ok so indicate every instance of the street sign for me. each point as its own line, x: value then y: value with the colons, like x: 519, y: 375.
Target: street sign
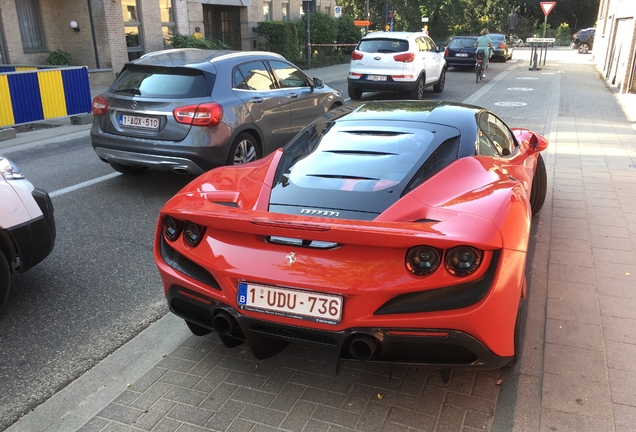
x: 547, y: 7
x: 361, y: 23
x: 337, y: 11
x: 540, y: 40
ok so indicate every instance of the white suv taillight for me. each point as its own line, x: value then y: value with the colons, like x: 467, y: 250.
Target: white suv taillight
x: 99, y: 106
x: 206, y: 114
x: 356, y: 55
x: 406, y: 58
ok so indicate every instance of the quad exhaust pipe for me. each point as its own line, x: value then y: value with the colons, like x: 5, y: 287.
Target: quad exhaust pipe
x: 363, y: 346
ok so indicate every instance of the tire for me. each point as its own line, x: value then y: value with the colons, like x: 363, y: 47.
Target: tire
x: 584, y: 48
x: 477, y: 74
x: 355, y: 93
x: 539, y: 186
x: 244, y: 149
x: 128, y: 170
x: 5, y: 279
x: 418, y: 92
x: 197, y: 330
x: 439, y: 86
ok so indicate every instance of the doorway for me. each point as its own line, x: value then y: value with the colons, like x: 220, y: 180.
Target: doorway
x: 223, y: 23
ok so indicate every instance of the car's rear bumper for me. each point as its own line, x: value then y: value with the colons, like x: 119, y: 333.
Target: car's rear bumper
x: 34, y: 240
x: 439, y: 348
x: 382, y: 86
x: 460, y: 61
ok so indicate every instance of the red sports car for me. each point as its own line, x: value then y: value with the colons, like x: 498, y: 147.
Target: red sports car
x: 391, y: 231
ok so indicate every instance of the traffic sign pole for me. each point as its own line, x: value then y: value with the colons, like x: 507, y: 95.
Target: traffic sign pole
x: 547, y: 8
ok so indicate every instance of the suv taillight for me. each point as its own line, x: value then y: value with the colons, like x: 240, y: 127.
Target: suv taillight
x: 406, y: 58
x: 99, y: 106
x: 356, y: 56
x: 206, y: 114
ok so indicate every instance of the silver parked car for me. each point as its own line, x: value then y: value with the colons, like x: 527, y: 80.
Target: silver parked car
x: 189, y: 110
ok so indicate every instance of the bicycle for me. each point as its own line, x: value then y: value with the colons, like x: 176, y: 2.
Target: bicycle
x: 479, y: 66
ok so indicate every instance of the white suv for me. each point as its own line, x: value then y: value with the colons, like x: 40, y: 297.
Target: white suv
x: 396, y: 61
x: 27, y: 226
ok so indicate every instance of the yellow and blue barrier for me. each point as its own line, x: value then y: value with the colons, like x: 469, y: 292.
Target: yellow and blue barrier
x: 29, y: 94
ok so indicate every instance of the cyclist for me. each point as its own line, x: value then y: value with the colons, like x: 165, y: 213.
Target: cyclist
x: 484, y: 43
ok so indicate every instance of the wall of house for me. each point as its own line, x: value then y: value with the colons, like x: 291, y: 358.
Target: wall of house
x: 615, y: 43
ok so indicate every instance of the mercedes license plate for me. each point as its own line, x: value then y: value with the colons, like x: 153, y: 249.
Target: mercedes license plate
x: 376, y: 77
x: 304, y: 305
x: 140, y: 122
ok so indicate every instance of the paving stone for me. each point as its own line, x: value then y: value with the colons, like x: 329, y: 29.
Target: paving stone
x: 411, y: 419
x: 219, y: 396
x: 253, y: 396
x: 180, y: 379
x: 574, y: 302
x: 477, y: 420
x: 94, y: 425
x: 335, y: 416
x: 287, y: 397
x: 185, y: 396
x: 322, y: 397
x: 373, y: 417
x: 150, y: 396
x: 619, y: 329
x: 623, y: 384
x: 485, y: 386
x: 555, y: 420
x: 299, y: 416
x: 148, y: 379
x: 574, y: 334
x: 359, y: 397
x: 167, y: 425
x: 316, y: 426
x: 153, y: 415
x: 212, y: 379
x: 619, y: 307
x: 224, y: 417
x: 431, y: 401
x: 579, y: 259
x: 262, y: 415
x: 206, y: 364
x: 413, y: 383
x: 621, y: 355
x: 625, y: 418
x: 451, y: 419
x: 468, y: 403
x: 277, y: 380
x: 120, y: 413
x: 189, y: 414
x: 311, y: 380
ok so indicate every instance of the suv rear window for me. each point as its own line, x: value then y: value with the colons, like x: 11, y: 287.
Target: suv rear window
x: 383, y: 45
x: 160, y: 82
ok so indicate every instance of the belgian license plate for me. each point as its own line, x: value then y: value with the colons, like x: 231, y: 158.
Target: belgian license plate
x: 304, y: 305
x: 140, y: 122
x: 376, y: 77
x: 461, y: 55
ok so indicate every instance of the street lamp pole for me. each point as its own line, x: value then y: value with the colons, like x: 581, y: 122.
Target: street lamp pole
x: 366, y: 31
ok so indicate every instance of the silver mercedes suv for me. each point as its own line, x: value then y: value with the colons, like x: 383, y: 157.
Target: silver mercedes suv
x: 189, y: 110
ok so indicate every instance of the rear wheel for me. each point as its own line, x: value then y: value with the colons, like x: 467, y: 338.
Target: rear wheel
x: 584, y: 48
x: 244, y: 149
x: 5, y: 279
x: 478, y: 73
x: 128, y: 170
x: 439, y: 87
x: 418, y: 92
x: 539, y: 186
x: 354, y: 93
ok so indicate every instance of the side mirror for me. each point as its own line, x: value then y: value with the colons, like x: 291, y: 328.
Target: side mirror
x: 318, y: 83
x: 441, y: 49
x: 537, y: 142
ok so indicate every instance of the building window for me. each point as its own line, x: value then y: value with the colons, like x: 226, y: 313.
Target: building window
x: 30, y: 23
x: 267, y: 11
x: 167, y: 20
x: 132, y: 28
x: 285, y: 11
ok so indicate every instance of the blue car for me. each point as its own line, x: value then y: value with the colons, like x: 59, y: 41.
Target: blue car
x: 461, y: 51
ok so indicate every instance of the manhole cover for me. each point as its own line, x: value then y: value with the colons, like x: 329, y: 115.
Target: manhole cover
x: 510, y: 104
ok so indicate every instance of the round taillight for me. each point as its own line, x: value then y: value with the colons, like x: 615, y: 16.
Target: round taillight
x: 422, y: 260
x: 171, y: 228
x: 192, y: 233
x: 462, y: 260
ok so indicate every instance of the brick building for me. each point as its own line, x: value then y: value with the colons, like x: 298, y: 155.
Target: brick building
x: 108, y: 33
x: 615, y: 42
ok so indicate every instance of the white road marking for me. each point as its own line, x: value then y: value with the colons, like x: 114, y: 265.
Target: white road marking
x: 511, y: 104
x: 83, y: 184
